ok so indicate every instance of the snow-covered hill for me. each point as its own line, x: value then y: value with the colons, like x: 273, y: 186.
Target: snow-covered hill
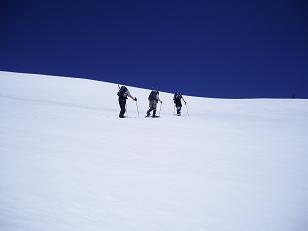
x: 67, y: 162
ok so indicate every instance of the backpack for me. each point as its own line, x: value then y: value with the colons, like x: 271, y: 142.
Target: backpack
x: 177, y: 97
x: 153, y: 95
x: 121, y: 92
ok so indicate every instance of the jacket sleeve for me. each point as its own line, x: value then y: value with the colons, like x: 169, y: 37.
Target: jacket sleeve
x: 128, y: 94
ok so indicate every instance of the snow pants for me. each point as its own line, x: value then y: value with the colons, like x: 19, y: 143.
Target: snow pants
x: 152, y: 107
x: 178, y: 106
x: 122, y: 103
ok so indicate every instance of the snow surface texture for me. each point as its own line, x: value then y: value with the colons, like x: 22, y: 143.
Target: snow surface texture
x: 67, y: 162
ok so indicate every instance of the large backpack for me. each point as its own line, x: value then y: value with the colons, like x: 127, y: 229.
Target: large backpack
x: 153, y: 95
x: 121, y: 92
x: 177, y: 97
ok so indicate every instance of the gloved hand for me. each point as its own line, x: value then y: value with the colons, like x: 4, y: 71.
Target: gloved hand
x: 185, y: 102
x: 135, y: 99
x: 161, y: 101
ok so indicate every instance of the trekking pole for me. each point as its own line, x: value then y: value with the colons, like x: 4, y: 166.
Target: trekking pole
x: 160, y: 108
x: 186, y: 109
x: 137, y: 108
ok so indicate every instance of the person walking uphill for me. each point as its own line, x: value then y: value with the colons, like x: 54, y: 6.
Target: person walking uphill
x: 178, y: 103
x: 153, y: 100
x: 123, y: 93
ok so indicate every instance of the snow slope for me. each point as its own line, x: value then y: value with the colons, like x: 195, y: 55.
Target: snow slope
x: 67, y: 162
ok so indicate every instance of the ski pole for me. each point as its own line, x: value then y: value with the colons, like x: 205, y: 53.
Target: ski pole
x: 174, y: 109
x: 137, y: 108
x: 187, y: 109
x: 126, y: 110
x: 160, y: 108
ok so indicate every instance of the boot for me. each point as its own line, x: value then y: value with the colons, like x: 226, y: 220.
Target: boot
x: 178, y: 111
x: 148, y: 113
x: 154, y: 114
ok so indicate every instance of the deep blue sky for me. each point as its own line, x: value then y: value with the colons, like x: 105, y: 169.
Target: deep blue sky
x: 217, y: 48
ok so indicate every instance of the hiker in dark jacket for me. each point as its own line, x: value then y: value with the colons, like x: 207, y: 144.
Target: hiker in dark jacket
x: 153, y: 100
x: 123, y: 93
x: 177, y: 99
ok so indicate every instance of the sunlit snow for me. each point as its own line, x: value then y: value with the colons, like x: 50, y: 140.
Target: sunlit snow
x: 67, y: 162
